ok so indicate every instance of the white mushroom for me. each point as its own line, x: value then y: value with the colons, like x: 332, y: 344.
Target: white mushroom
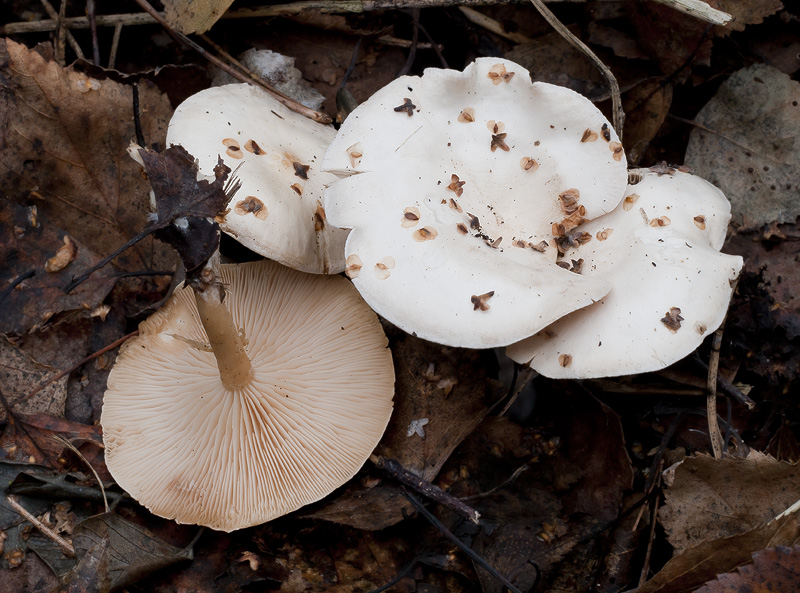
x: 275, y: 153
x: 230, y: 452
x: 670, y: 284
x: 456, y: 186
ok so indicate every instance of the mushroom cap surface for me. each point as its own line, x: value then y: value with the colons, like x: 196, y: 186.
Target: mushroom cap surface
x: 275, y: 153
x: 191, y: 450
x: 670, y: 284
x: 450, y: 183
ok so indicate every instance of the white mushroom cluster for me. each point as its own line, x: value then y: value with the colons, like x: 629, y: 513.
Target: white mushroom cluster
x: 485, y: 209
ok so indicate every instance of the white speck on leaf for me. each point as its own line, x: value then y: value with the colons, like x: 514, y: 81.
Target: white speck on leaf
x: 416, y: 427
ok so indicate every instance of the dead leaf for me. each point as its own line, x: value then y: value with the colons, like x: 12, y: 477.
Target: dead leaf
x: 114, y: 553
x: 748, y: 145
x: 27, y: 240
x: 181, y: 197
x: 776, y: 570
x: 717, y: 498
x: 65, y: 140
x: 194, y: 16
x: 646, y: 107
x: 744, y: 12
x: 19, y: 374
x: 699, y: 564
x: 420, y: 366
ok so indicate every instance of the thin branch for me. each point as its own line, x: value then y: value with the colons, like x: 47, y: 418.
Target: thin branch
x: 618, y: 115
x: 461, y: 545
x: 65, y: 546
x: 431, y: 491
x: 285, y: 99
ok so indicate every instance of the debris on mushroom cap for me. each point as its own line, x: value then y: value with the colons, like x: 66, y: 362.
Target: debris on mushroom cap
x: 190, y: 450
x: 482, y: 158
x: 670, y: 284
x: 275, y: 153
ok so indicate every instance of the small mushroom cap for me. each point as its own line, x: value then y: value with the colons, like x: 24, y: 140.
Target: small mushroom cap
x: 670, y: 284
x: 191, y: 450
x: 275, y: 153
x: 453, y: 182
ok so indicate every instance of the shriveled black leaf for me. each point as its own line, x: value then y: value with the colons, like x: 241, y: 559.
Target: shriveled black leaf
x: 187, y: 207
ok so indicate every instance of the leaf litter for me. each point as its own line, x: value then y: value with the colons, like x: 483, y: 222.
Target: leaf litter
x: 567, y: 489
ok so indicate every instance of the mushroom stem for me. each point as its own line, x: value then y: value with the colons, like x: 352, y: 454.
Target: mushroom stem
x: 227, y: 343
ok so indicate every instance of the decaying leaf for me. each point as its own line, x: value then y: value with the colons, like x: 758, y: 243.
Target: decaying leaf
x: 19, y: 374
x: 65, y: 137
x: 699, y: 564
x: 30, y: 293
x: 716, y: 498
x: 114, y: 553
x: 748, y: 144
x: 646, y: 107
x: 776, y: 570
x: 185, y: 206
x: 194, y: 16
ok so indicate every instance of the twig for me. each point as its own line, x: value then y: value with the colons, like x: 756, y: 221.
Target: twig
x: 65, y: 546
x: 461, y: 545
x: 491, y: 25
x: 436, y: 494
x: 321, y: 6
x: 90, y: 9
x: 60, y: 25
x: 412, y: 50
x: 653, y: 523
x: 16, y: 282
x: 137, y: 119
x: 698, y: 9
x: 78, y: 364
x: 285, y: 99
x: 711, y: 399
x: 521, y: 382
x: 112, y: 54
x: 75, y: 450
x: 618, y: 115
x: 514, y: 476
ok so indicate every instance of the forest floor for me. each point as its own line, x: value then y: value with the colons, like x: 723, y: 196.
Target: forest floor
x: 605, y: 485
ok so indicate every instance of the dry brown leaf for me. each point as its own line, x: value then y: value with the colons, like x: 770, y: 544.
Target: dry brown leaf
x: 65, y: 139
x: 646, y: 106
x: 716, y: 498
x: 687, y: 571
x: 745, y: 12
x: 19, y: 374
x: 194, y: 16
x: 776, y: 570
x: 748, y: 144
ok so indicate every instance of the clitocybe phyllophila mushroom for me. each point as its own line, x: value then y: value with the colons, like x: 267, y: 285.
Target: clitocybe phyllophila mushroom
x: 670, y: 285
x: 459, y: 187
x: 261, y: 414
x: 275, y: 153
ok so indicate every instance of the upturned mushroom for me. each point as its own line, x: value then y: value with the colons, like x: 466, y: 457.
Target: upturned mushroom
x: 275, y: 153
x: 459, y: 187
x: 231, y: 417
x: 670, y: 285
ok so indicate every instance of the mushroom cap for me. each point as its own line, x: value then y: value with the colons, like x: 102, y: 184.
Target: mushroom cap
x: 274, y: 152
x: 670, y: 284
x: 451, y: 181
x: 191, y: 450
